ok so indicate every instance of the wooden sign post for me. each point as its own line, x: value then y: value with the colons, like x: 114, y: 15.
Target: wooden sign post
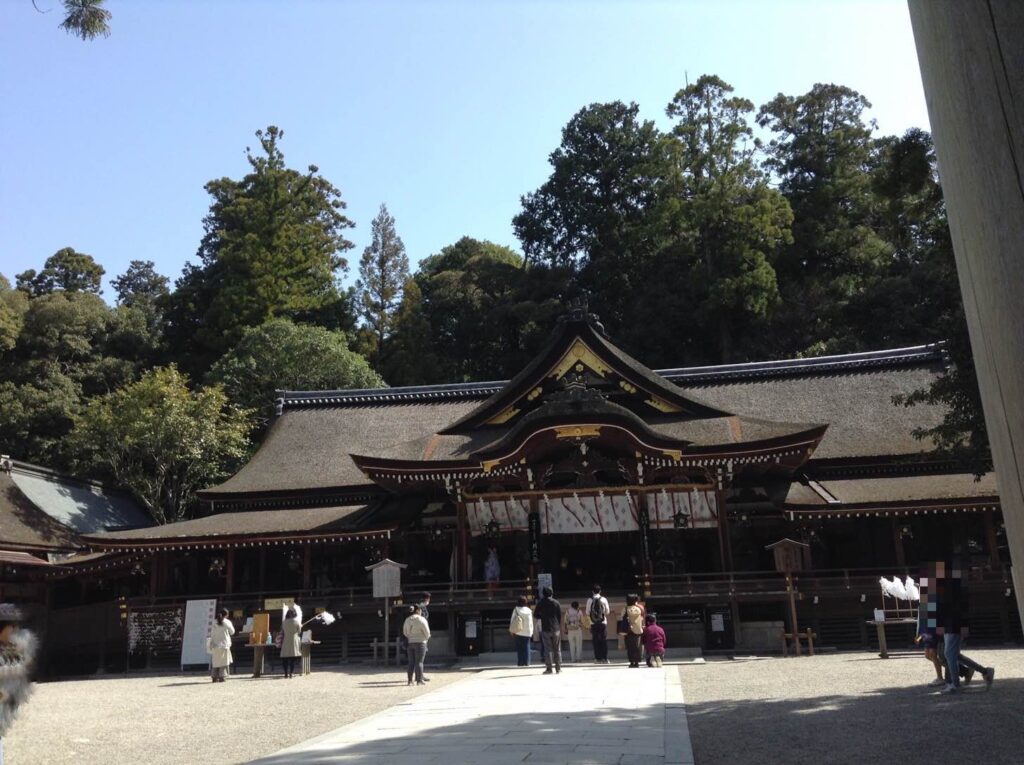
x: 387, y: 584
x: 789, y: 557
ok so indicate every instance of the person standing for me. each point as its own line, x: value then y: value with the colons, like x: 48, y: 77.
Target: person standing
x: 417, y: 632
x: 549, y: 613
x: 654, y: 641
x: 925, y: 633
x: 953, y: 610
x: 425, y: 613
x: 17, y: 655
x: 220, y: 645
x: 573, y: 622
x: 521, y: 627
x: 633, y: 623
x: 597, y: 610
x: 291, y: 645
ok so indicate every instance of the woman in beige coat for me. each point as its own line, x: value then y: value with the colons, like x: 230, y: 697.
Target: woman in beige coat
x: 220, y: 645
x: 291, y: 639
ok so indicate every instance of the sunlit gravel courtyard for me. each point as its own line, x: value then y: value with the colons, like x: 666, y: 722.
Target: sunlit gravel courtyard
x: 852, y: 708
x: 187, y: 719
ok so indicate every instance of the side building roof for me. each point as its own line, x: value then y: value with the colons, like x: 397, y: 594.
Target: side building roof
x: 45, y: 511
x: 309, y: 445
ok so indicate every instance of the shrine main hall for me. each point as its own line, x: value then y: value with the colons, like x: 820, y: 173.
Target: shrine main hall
x: 586, y: 468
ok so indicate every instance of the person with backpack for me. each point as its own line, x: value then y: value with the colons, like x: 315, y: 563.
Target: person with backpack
x: 633, y: 628
x: 597, y: 611
x: 549, y: 614
x: 573, y: 621
x: 521, y: 627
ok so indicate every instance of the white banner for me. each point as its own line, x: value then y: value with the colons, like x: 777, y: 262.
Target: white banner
x: 510, y: 514
x: 199, y: 616
x: 596, y: 513
x: 699, y: 507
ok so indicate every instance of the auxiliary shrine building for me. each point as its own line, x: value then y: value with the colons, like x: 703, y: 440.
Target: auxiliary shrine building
x: 586, y: 467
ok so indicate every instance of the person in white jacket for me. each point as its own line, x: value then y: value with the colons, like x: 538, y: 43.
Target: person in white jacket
x: 521, y: 627
x: 220, y: 645
x: 417, y: 632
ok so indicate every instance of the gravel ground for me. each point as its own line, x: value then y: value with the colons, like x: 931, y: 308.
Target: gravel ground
x: 852, y: 708
x: 187, y: 719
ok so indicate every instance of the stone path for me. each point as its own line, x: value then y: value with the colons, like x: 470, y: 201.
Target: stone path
x: 588, y: 715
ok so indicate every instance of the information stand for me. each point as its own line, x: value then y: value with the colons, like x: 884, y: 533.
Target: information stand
x: 199, y: 616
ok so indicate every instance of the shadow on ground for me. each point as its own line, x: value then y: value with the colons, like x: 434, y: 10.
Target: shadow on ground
x: 905, y: 725
x: 576, y: 737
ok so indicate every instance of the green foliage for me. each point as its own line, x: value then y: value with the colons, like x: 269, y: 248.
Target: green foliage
x: 13, y: 304
x: 162, y: 440
x: 606, y: 210
x: 140, y: 284
x: 733, y: 221
x: 66, y: 270
x: 281, y: 355
x: 272, y: 247
x: 70, y: 346
x: 821, y: 153
x: 86, y: 19
x: 477, y: 313
x: 383, y: 270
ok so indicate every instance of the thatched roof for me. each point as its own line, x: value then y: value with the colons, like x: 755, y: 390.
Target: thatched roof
x: 308, y: 446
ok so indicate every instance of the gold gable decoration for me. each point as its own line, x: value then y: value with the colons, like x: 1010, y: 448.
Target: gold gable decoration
x: 579, y: 353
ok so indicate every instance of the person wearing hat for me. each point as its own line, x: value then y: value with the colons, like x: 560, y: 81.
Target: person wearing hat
x: 17, y: 654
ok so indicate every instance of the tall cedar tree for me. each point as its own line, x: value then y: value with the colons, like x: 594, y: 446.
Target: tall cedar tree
x: 605, y: 212
x: 383, y: 270
x: 273, y: 246
x: 734, y: 222
x: 821, y: 153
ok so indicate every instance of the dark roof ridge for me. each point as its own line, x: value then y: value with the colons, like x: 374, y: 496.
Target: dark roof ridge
x: 917, y: 355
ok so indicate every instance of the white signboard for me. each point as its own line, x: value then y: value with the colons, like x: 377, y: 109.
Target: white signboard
x: 387, y: 578
x: 543, y: 580
x: 199, y: 616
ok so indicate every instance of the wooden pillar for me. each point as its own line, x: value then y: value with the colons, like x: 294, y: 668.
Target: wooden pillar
x: 229, y: 575
x: 991, y: 541
x: 461, y: 543
x: 154, y: 575
x: 307, y: 564
x: 724, y: 542
x: 533, y: 542
x: 897, y: 541
x: 970, y: 56
x: 644, y: 518
x: 263, y: 570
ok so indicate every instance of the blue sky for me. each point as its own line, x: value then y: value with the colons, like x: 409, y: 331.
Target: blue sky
x: 446, y: 111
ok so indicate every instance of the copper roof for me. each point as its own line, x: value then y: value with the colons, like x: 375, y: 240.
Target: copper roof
x: 25, y: 526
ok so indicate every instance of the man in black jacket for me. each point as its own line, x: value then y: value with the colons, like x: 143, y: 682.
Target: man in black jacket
x: 549, y: 612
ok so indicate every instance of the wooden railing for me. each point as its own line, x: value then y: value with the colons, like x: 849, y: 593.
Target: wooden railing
x: 695, y: 586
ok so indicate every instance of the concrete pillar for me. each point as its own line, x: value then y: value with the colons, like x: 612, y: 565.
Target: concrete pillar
x: 972, y: 66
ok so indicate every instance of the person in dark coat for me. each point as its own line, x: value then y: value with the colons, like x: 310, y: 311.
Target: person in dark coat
x: 952, y: 621
x: 549, y: 614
